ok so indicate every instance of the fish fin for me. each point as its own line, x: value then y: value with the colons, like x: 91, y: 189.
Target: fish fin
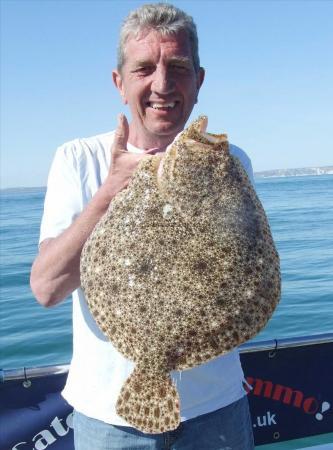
x: 149, y: 403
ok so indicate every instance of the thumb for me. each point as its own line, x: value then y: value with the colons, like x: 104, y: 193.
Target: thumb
x: 120, y: 135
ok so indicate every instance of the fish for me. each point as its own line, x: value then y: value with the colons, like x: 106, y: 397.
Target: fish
x: 181, y: 269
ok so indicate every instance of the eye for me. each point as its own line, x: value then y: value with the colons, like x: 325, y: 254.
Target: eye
x: 144, y: 70
x: 180, y: 68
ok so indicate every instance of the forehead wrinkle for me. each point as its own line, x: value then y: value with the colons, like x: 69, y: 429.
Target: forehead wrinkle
x: 184, y: 60
x: 149, y: 59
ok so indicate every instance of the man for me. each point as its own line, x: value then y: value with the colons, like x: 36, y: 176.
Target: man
x: 159, y: 77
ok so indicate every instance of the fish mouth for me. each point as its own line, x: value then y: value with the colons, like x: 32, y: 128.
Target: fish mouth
x: 201, y: 127
x: 213, y: 139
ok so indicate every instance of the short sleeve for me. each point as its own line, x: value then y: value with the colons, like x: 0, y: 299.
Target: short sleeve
x: 244, y: 159
x: 63, y: 200
x: 248, y: 168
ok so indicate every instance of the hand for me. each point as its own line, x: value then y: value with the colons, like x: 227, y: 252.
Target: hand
x: 123, y: 163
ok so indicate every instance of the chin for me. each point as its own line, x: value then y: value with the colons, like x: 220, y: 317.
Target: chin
x: 167, y: 130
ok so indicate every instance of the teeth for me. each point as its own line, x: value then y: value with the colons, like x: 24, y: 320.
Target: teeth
x: 164, y: 105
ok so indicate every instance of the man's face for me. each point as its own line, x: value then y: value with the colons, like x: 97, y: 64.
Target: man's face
x: 159, y: 83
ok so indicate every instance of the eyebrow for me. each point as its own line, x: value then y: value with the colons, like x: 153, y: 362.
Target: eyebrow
x: 180, y: 59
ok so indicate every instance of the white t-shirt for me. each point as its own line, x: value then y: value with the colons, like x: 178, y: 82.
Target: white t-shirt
x: 98, y: 371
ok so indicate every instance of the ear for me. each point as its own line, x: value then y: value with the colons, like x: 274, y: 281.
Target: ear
x: 200, y: 77
x: 118, y: 82
x: 200, y: 80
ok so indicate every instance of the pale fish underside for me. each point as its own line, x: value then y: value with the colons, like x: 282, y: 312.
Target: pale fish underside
x: 181, y: 269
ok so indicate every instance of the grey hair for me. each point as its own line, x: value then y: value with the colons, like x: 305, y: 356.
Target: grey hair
x: 162, y: 17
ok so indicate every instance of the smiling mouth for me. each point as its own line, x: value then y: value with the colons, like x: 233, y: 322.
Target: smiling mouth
x: 162, y: 106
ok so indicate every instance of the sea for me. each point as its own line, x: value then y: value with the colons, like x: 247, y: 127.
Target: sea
x: 300, y: 212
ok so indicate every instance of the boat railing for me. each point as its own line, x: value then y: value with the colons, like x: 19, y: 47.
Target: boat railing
x: 253, y: 346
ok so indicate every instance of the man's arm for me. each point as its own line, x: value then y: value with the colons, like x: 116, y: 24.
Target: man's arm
x: 56, y: 270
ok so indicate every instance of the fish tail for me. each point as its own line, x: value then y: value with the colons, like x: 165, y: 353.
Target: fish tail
x: 149, y: 402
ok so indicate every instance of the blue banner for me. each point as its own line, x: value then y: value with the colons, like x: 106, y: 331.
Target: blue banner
x: 290, y: 391
x: 35, y: 417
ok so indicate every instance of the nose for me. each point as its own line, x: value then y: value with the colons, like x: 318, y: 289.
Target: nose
x: 163, y: 82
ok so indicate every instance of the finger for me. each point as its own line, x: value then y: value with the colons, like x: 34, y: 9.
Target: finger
x: 120, y: 135
x: 153, y: 151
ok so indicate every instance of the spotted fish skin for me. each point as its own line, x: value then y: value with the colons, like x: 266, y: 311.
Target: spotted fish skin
x: 181, y: 269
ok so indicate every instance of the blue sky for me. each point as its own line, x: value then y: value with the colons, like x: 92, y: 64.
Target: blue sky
x: 269, y: 72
